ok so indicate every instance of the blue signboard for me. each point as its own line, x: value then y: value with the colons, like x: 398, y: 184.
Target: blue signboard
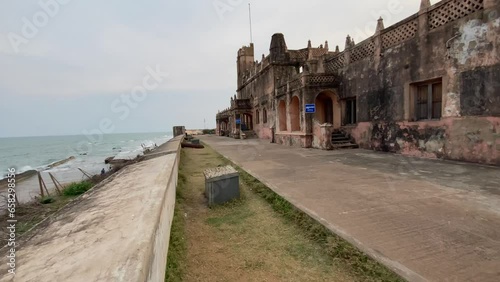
x: 310, y: 108
x: 238, y: 121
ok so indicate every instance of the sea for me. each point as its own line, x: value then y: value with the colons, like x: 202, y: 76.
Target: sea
x: 73, y: 152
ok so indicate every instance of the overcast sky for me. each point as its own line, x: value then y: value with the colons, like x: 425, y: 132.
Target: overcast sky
x: 68, y: 68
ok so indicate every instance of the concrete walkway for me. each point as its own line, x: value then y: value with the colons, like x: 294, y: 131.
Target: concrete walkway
x: 426, y: 219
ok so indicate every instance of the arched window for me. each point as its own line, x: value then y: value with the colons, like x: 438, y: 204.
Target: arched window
x: 257, y: 117
x: 282, y: 115
x: 264, y: 116
x: 295, y: 113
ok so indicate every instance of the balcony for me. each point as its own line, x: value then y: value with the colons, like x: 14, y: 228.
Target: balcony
x: 242, y: 104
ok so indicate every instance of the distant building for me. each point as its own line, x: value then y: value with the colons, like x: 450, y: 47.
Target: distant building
x: 427, y: 86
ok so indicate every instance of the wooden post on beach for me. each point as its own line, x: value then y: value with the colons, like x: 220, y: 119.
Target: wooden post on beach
x: 86, y: 174
x: 58, y: 185
x: 42, y: 185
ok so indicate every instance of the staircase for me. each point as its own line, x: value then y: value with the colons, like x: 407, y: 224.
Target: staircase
x: 250, y: 134
x: 341, y: 140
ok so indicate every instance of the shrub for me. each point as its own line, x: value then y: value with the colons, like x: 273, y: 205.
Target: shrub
x: 47, y: 200
x: 75, y: 189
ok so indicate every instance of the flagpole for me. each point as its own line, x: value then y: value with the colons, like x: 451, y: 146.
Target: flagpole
x: 250, y: 18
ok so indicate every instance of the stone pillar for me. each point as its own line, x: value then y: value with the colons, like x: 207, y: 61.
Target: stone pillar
x: 424, y: 4
x: 308, y: 97
x: 378, y: 43
x: 326, y: 136
x: 287, y: 110
x: 423, y: 19
x: 347, y: 51
x: 234, y: 129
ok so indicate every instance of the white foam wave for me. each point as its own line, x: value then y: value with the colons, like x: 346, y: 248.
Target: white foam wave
x: 24, y: 169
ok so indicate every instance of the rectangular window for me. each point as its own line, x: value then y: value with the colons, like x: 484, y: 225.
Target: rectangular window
x: 428, y: 100
x: 350, y: 111
x: 422, y: 103
x: 437, y: 96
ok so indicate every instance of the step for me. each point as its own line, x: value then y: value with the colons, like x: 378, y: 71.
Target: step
x: 338, y: 135
x: 345, y: 146
x: 250, y: 134
x: 342, y: 142
x: 340, y: 138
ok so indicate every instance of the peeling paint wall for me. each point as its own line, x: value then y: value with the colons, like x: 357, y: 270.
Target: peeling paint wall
x: 454, y: 43
x: 472, y: 139
x: 465, y: 55
x: 291, y: 140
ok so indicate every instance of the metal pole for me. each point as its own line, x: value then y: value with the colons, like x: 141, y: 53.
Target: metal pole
x: 250, y: 17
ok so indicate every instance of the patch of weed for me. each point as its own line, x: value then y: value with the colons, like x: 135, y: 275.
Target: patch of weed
x: 75, y: 189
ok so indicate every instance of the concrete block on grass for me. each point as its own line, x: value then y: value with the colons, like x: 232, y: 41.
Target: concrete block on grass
x: 221, y: 185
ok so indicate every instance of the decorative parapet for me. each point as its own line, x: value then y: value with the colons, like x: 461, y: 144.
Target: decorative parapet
x: 318, y: 52
x: 399, y: 33
x: 335, y: 63
x: 439, y: 14
x: 362, y: 50
x: 323, y: 80
x: 448, y: 11
x: 306, y: 53
x: 298, y: 55
x: 223, y: 115
x: 312, y: 80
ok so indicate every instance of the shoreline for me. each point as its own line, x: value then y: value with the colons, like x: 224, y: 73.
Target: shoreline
x: 25, y: 175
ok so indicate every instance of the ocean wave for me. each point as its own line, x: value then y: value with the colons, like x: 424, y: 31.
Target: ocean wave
x: 25, y: 169
x: 19, y: 171
x: 60, y: 162
x: 19, y: 175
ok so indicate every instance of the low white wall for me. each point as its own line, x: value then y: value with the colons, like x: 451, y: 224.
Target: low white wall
x: 162, y: 234
x: 119, y: 231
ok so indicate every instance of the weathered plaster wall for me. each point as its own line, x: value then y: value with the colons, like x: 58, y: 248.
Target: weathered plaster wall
x: 465, y: 55
x: 293, y: 140
x: 473, y: 139
x: 382, y: 74
x: 261, y: 92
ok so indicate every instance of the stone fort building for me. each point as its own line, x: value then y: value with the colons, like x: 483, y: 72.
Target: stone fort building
x: 427, y: 86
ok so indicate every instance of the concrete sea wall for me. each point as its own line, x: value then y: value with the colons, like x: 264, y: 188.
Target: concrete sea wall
x: 118, y: 231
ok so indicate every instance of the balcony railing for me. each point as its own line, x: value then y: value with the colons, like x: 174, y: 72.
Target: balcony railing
x: 325, y: 80
x: 242, y: 104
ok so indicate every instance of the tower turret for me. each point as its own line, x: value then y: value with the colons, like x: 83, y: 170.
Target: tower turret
x: 278, y: 47
x: 245, y: 61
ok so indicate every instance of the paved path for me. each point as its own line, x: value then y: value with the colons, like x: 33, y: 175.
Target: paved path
x: 426, y: 219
